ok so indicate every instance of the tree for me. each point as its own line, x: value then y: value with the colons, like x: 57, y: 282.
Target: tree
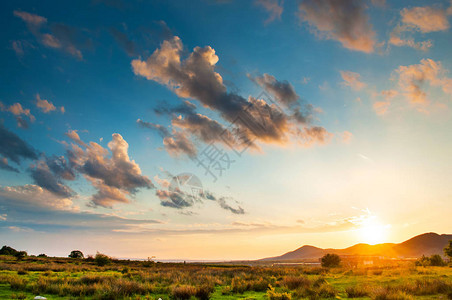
x: 436, y: 260
x: 331, y: 260
x: 76, y: 254
x: 448, y: 250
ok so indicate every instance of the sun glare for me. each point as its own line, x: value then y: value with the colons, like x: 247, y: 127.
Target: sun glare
x: 372, y: 231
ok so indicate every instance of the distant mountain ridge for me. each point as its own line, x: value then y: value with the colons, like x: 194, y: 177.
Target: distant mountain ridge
x: 424, y: 244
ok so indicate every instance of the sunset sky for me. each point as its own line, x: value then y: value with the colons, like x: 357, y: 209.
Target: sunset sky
x: 103, y: 102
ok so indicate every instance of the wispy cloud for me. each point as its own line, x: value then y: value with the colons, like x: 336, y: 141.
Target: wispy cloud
x: 273, y: 7
x: 352, y: 80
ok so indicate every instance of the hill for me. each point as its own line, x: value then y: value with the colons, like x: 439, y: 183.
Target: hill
x: 424, y: 244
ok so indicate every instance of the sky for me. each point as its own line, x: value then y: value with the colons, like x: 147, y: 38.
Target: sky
x: 217, y: 130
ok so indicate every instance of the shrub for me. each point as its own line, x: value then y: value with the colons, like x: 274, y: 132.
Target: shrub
x: 294, y: 282
x: 183, y: 292
x: 204, y: 291
x: 17, y: 283
x: 20, y: 254
x: 42, y: 255
x: 102, y: 259
x: 356, y: 291
x: 273, y: 295
x: 331, y: 260
x: 18, y: 296
x: 385, y: 295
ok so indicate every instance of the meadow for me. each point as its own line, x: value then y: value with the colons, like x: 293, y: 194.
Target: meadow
x: 68, y: 278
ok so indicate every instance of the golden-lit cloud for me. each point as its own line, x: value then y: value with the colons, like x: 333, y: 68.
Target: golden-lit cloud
x: 18, y: 111
x: 46, y: 106
x: 195, y: 77
x: 423, y: 19
x: 342, y: 20
x: 413, y: 78
x: 114, y: 177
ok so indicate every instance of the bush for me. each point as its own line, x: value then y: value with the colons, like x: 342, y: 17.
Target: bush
x: 102, y: 259
x: 76, y: 254
x: 42, y: 255
x: 183, y: 292
x: 331, y: 260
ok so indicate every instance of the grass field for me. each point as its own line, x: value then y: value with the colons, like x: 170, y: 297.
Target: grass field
x: 65, y: 278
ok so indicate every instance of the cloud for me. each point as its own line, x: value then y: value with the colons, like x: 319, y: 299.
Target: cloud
x: 195, y: 77
x: 314, y: 135
x: 347, y: 136
x: 186, y: 119
x: 380, y: 3
x: 50, y: 179
x: 45, y: 105
x: 18, y: 48
x: 50, y: 40
x: 283, y: 91
x: 396, y: 40
x: 34, y: 207
x: 5, y: 166
x: 341, y: 20
x: 17, y: 110
x: 412, y: 78
x: 273, y: 7
x: 26, y: 195
x: 425, y: 19
x: 115, y: 177
x: 13, y: 147
x: 381, y: 107
x: 123, y: 40
x: 175, y: 199
x: 176, y: 143
x: 237, y: 211
x: 352, y: 80
x: 179, y: 144
x: 30, y: 19
x: 55, y: 36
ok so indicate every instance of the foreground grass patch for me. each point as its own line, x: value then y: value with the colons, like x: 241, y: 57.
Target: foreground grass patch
x: 59, y: 278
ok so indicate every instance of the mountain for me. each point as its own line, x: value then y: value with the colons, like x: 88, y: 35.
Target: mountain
x: 424, y: 244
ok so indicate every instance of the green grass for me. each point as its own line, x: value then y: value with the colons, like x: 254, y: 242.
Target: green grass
x: 60, y: 278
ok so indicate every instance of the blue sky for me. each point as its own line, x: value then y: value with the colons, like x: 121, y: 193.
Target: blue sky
x: 105, y: 101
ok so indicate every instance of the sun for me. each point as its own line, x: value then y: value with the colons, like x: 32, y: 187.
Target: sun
x: 372, y: 231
